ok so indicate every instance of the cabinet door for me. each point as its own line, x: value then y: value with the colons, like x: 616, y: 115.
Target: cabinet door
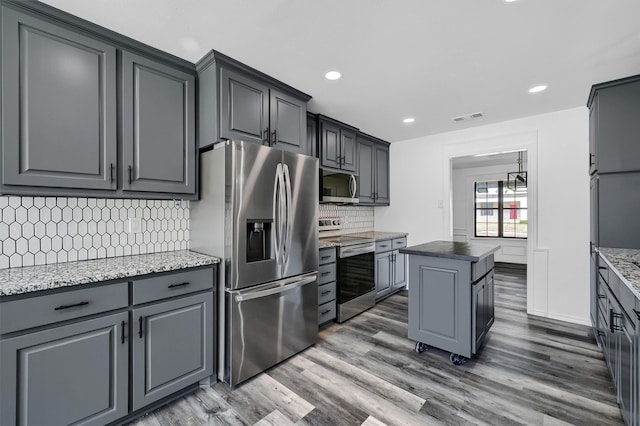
x: 382, y: 174
x: 627, y: 358
x: 348, y: 150
x: 618, y: 204
x: 244, y: 108
x: 383, y: 274
x: 399, y: 269
x: 64, y: 375
x: 618, y: 128
x: 330, y: 145
x: 593, y: 128
x: 172, y: 347
x: 366, y: 171
x: 288, y: 123
x: 478, y: 314
x: 490, y: 301
x: 593, y: 210
x: 59, y: 106
x: 312, y: 135
x: 593, y: 289
x: 158, y: 124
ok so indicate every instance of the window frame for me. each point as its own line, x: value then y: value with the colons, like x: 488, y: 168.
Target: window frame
x: 501, y: 208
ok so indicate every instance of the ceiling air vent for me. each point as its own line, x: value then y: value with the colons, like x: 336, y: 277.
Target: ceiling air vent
x: 468, y: 117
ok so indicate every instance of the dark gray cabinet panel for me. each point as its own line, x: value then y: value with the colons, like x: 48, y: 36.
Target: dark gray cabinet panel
x: 479, y: 313
x: 373, y: 170
x: 172, y: 347
x: 390, y: 267
x: 59, y: 106
x: 617, y: 127
x: 618, y: 203
x: 158, y: 126
x: 288, y: 122
x: 327, y: 272
x: 383, y: 274
x: 244, y: 108
x: 312, y: 135
x: 399, y: 270
x: 69, y: 374
x: 628, y: 362
x: 338, y: 149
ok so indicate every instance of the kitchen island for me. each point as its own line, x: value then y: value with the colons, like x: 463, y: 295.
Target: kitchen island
x: 451, y: 296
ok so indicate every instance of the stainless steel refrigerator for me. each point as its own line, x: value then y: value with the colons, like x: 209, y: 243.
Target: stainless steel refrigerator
x: 258, y: 212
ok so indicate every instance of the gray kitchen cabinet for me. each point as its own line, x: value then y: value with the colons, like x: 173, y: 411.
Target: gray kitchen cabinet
x: 172, y: 346
x: 483, y: 310
x: 390, y: 267
x: 618, y: 201
x: 241, y: 103
x: 327, y: 273
x: 312, y: 134
x: 59, y: 106
x: 337, y: 145
x: 75, y: 373
x: 373, y: 170
x: 614, y: 126
x: 76, y: 125
x: 158, y: 127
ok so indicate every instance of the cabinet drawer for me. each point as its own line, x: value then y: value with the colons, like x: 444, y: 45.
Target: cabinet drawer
x: 326, y: 273
x: 326, y: 293
x: 327, y: 255
x: 43, y: 310
x: 326, y: 312
x: 478, y: 269
x: 382, y: 246
x: 170, y: 285
x: 399, y: 243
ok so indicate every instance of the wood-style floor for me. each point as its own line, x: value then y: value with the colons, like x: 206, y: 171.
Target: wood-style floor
x: 531, y: 371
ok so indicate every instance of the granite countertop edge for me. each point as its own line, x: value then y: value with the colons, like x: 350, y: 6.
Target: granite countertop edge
x: 17, y: 281
x: 430, y: 249
x: 376, y: 235
x: 620, y: 260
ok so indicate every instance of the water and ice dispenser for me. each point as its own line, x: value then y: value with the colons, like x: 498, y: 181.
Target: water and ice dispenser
x: 258, y: 240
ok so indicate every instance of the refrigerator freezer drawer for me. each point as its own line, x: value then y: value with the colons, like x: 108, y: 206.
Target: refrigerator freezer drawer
x: 267, y: 324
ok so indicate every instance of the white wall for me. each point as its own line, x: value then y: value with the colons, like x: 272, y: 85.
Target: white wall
x: 513, y: 250
x: 558, y: 183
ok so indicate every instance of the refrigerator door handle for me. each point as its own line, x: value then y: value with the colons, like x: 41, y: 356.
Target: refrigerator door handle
x: 277, y: 211
x: 288, y: 215
x: 278, y: 287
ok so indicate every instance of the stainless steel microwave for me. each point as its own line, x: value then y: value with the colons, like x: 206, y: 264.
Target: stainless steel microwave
x: 338, y: 187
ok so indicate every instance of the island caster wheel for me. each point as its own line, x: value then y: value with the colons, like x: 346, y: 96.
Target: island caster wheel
x: 420, y: 347
x: 456, y: 359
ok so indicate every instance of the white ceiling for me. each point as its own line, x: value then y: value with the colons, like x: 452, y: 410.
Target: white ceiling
x: 429, y: 59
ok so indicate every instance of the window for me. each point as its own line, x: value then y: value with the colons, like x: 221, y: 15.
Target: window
x: 500, y: 212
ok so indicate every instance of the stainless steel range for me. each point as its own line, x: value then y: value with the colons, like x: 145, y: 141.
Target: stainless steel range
x: 356, y: 289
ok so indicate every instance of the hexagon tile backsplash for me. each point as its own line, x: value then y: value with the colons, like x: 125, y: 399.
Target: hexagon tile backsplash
x: 43, y: 230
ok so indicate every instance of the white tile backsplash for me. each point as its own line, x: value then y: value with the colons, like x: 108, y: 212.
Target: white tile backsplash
x: 43, y: 230
x: 354, y: 218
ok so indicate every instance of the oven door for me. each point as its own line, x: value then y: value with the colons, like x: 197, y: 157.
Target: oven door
x: 356, y: 271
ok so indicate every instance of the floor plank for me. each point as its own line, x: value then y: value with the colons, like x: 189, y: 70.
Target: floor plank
x: 531, y: 371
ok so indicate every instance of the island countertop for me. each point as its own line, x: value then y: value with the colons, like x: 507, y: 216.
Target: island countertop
x: 471, y: 252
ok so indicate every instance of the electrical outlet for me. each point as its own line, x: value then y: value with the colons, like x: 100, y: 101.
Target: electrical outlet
x: 134, y: 225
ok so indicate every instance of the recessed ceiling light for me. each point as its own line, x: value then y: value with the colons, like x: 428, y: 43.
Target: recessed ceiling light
x: 510, y: 1
x: 332, y: 75
x: 537, y: 89
x: 408, y: 120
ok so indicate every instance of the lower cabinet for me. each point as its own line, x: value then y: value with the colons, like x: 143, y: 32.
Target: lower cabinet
x: 81, y: 356
x: 172, y: 347
x: 71, y: 374
x: 483, y: 310
x: 327, y: 286
x: 391, y: 267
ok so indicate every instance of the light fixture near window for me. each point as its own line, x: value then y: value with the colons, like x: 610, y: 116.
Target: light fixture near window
x: 517, y: 179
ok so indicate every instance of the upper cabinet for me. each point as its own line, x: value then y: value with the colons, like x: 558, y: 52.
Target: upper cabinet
x: 373, y: 170
x: 614, y: 126
x: 67, y: 130
x: 158, y: 126
x: 58, y: 105
x: 337, y: 145
x: 241, y: 103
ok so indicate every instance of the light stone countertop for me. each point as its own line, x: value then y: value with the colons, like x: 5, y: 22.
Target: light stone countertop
x: 379, y: 235
x: 14, y: 281
x: 626, y: 262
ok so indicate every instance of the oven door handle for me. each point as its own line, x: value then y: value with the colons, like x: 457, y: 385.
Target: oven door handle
x: 355, y: 251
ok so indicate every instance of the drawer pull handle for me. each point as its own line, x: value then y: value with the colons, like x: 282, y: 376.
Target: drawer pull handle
x: 325, y: 292
x: 602, y: 296
x: 75, y: 305
x: 323, y: 313
x: 179, y: 285
x: 325, y: 257
x: 602, y: 267
x: 140, y: 321
x: 325, y: 273
x: 122, y: 335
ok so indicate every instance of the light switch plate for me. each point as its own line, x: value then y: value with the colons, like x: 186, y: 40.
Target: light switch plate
x: 134, y: 225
